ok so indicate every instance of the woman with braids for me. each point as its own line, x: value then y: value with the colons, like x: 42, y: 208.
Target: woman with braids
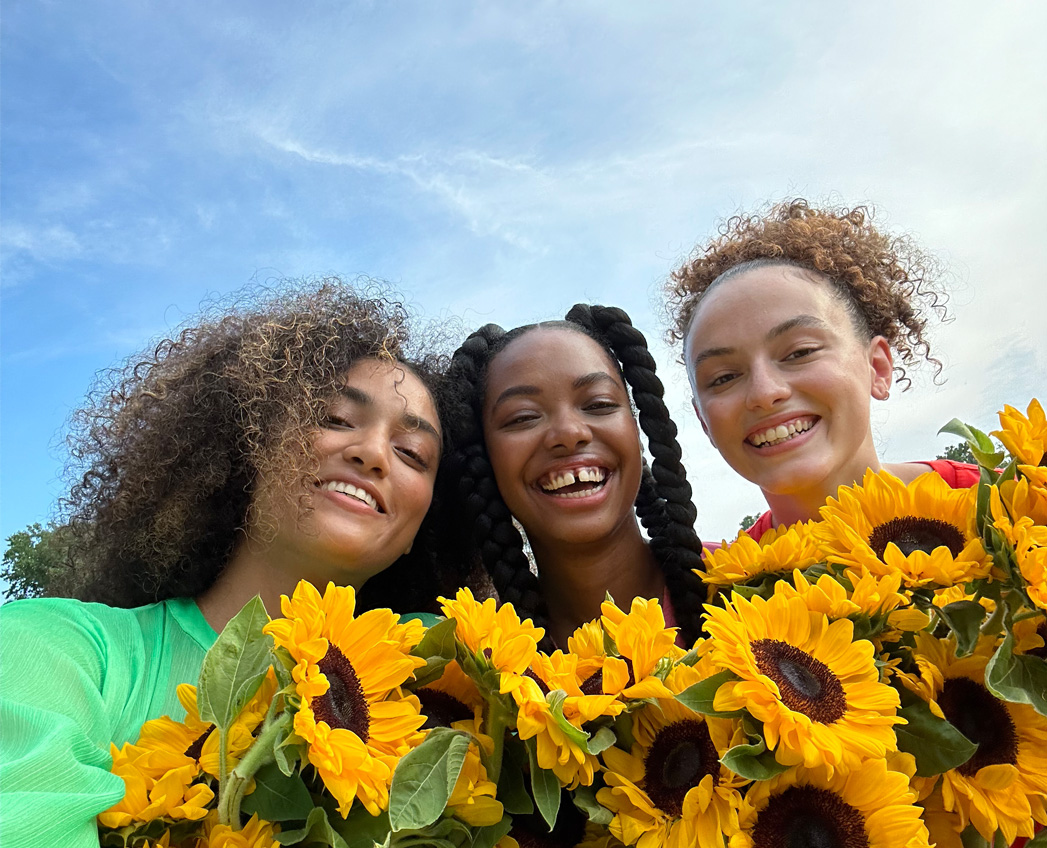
x: 544, y: 433
x: 790, y: 323
x: 287, y: 439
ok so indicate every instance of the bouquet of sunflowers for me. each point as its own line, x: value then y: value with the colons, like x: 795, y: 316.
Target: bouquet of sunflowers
x: 876, y: 678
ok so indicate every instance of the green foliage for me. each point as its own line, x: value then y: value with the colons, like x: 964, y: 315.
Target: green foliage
x: 934, y: 742
x: 33, y: 558
x: 1019, y: 678
x: 749, y: 520
x: 960, y: 452
x: 235, y: 666
x: 964, y: 619
x: 701, y: 695
x: 544, y: 786
x: 424, y: 779
x: 278, y: 797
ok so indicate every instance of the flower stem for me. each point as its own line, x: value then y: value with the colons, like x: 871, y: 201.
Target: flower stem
x: 223, y: 768
x: 261, y: 753
x: 498, y: 720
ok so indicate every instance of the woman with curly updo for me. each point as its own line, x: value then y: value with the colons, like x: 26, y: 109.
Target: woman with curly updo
x: 791, y: 322
x: 291, y: 438
x: 544, y: 433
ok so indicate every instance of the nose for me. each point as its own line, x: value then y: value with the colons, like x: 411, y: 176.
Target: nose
x: 369, y: 450
x: 568, y: 430
x: 767, y: 386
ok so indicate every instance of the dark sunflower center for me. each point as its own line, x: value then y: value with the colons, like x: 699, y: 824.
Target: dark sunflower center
x: 806, y: 685
x: 983, y: 719
x: 197, y: 748
x: 344, y: 704
x: 541, y: 683
x: 680, y: 756
x: 441, y: 709
x: 593, y: 684
x: 1041, y: 651
x: 1043, y: 460
x: 911, y: 533
x: 531, y: 831
x: 806, y: 817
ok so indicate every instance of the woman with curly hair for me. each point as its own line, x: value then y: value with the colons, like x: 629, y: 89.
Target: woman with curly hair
x: 544, y: 433
x: 791, y: 322
x: 291, y: 438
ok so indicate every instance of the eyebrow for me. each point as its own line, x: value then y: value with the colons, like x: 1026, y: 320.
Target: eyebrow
x: 409, y: 420
x: 530, y: 391
x: 811, y: 321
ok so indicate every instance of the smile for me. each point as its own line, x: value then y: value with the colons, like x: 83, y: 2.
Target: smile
x: 352, y: 491
x: 782, y: 433
x: 577, y: 483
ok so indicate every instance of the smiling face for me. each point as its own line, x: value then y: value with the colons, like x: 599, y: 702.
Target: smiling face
x: 378, y: 447
x: 561, y: 438
x: 782, y: 382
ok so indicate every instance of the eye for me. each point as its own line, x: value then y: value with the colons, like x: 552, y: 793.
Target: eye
x: 517, y: 419
x: 602, y: 406
x: 413, y: 457
x: 721, y: 380
x: 333, y: 421
x: 802, y: 352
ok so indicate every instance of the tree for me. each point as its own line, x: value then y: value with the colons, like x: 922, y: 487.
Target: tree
x: 32, y: 559
x: 960, y: 452
x: 749, y: 520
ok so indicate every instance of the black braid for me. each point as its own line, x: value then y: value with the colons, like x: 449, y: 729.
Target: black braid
x: 484, y: 514
x: 666, y: 509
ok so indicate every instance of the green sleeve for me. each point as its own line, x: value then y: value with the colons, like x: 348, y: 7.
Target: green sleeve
x: 428, y: 619
x: 74, y: 678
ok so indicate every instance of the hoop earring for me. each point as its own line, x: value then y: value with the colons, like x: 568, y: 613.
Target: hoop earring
x: 886, y: 395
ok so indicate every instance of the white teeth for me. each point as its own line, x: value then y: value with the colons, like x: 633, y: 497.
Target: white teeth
x: 776, y: 435
x: 352, y: 491
x: 582, y: 475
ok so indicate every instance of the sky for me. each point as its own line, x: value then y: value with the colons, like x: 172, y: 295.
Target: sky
x: 499, y: 161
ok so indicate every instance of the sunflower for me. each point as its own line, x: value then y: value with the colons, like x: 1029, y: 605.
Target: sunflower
x: 172, y: 794
x: 780, y: 550
x: 1025, y: 437
x: 354, y: 717
x: 872, y: 807
x: 493, y: 632
x: 671, y: 789
x: 924, y: 530
x: 645, y: 646
x: 558, y: 749
x: 1004, y: 784
x: 816, y: 690
x: 257, y: 833
x: 1030, y: 637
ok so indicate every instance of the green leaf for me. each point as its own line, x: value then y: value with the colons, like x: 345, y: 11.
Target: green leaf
x: 555, y: 700
x: 1018, y: 678
x: 425, y: 777
x: 600, y: 741
x: 544, y: 786
x: 317, y: 829
x: 700, y: 696
x: 584, y: 798
x: 1039, y: 840
x: 935, y: 743
x: 277, y: 797
x: 991, y: 459
x: 487, y: 837
x: 753, y: 761
x: 972, y: 839
x: 623, y: 729
x: 360, y: 829
x: 289, y: 752
x: 511, y: 790
x: 235, y: 666
x: 964, y: 618
x: 957, y: 428
x: 437, y: 648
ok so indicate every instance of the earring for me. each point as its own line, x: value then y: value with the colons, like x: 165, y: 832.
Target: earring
x: 886, y: 394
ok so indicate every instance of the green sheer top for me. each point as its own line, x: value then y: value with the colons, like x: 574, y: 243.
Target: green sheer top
x: 75, y: 677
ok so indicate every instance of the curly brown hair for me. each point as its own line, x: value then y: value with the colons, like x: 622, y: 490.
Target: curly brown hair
x: 887, y: 283
x: 166, y: 452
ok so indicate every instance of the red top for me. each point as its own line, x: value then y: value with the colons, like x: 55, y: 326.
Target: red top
x: 959, y: 475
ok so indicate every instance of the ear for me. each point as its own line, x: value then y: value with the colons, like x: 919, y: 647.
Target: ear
x: 881, y: 363
x: 701, y: 421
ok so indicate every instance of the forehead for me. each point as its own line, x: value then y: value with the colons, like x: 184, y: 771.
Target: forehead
x: 385, y: 380
x: 748, y: 305
x: 548, y: 357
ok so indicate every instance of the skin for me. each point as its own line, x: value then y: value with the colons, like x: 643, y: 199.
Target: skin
x: 380, y: 434
x: 556, y: 403
x: 776, y: 346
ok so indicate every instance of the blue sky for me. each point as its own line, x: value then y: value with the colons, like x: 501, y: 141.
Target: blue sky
x: 498, y: 162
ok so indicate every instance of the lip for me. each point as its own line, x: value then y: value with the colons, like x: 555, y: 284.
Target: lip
x: 360, y: 483
x: 574, y: 464
x: 786, y: 446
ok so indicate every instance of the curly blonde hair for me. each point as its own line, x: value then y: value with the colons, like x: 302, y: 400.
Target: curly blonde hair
x: 168, y: 449
x: 887, y: 283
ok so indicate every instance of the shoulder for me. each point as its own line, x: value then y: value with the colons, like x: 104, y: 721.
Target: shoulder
x: 959, y: 475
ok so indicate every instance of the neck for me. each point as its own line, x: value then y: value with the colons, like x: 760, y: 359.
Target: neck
x: 804, y: 505
x: 575, y: 579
